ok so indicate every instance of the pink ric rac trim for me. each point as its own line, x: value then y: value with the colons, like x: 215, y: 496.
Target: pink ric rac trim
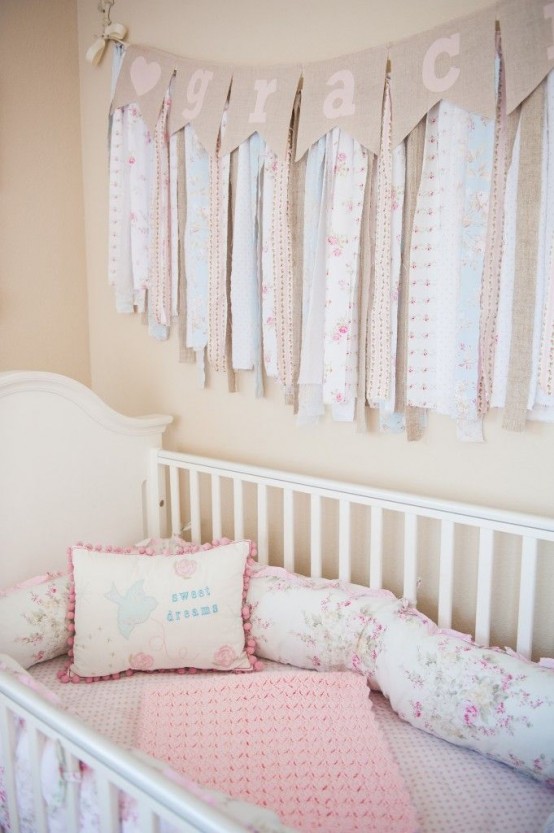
x: 65, y: 675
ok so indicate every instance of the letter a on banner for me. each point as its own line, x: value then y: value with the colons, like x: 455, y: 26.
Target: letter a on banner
x: 340, y: 102
x: 262, y: 100
x: 199, y: 97
x: 345, y: 92
x: 454, y: 61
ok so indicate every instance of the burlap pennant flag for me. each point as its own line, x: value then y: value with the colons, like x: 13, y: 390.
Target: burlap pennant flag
x: 344, y: 92
x: 199, y: 96
x: 262, y: 100
x: 454, y: 61
x: 143, y: 79
x: 527, y: 33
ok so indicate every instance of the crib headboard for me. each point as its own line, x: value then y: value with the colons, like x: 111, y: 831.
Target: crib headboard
x: 71, y: 468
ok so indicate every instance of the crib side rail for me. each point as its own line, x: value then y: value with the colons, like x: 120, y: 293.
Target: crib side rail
x: 183, y: 473
x: 115, y: 770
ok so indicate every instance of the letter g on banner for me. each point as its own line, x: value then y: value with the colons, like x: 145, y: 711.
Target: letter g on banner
x: 436, y: 83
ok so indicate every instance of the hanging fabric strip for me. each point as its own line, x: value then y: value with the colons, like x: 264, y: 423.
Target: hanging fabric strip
x: 414, y: 162
x: 519, y: 375
x: 547, y: 344
x: 244, y: 269
x: 296, y: 200
x: 196, y: 237
x: 269, y: 333
x: 219, y: 167
x: 120, y: 271
x: 506, y: 286
x: 546, y: 358
x: 424, y: 264
x: 350, y: 165
x: 545, y: 227
x: 473, y: 228
x: 379, y: 358
x: 504, y: 134
x: 490, y: 294
x: 281, y: 241
x: 159, y: 270
x: 174, y: 222
x: 186, y: 354
x: 140, y: 160
x: 316, y: 187
x: 450, y: 305
x: 386, y: 407
x: 365, y: 284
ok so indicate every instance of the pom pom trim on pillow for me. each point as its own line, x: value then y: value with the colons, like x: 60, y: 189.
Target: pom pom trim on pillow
x: 87, y: 596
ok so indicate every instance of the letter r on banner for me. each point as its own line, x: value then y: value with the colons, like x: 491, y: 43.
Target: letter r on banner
x: 340, y: 102
x: 434, y: 83
x: 263, y: 89
x: 549, y: 13
x: 196, y: 92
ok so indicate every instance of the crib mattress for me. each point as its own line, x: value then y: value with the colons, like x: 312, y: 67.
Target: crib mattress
x: 452, y: 789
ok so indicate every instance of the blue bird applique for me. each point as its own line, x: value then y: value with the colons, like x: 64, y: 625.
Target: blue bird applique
x: 133, y: 608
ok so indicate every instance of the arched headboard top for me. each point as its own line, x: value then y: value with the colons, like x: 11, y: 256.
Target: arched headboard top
x: 71, y: 468
x: 32, y: 383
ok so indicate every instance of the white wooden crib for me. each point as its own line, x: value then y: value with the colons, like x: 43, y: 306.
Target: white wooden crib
x: 72, y: 469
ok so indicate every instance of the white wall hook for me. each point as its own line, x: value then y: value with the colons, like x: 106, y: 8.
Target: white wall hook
x: 111, y: 31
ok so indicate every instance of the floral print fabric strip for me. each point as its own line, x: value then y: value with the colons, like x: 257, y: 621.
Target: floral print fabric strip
x: 350, y: 166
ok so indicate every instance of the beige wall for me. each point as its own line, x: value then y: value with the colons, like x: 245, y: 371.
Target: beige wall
x: 43, y: 304
x: 57, y: 311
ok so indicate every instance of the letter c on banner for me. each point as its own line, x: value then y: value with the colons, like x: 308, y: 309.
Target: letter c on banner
x: 263, y: 89
x: 430, y: 78
x: 196, y: 92
x: 549, y: 13
x: 340, y: 102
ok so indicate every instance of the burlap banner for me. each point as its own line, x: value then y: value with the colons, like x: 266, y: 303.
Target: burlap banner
x: 527, y: 32
x: 143, y: 79
x: 455, y: 61
x: 345, y: 92
x: 199, y: 96
x: 261, y: 101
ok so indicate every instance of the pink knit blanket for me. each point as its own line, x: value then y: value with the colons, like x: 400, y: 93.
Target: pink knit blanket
x: 305, y: 745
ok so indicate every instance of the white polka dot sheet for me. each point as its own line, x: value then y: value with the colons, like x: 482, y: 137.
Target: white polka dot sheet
x: 454, y: 790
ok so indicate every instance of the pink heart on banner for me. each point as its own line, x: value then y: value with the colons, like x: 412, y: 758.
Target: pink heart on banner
x: 144, y: 76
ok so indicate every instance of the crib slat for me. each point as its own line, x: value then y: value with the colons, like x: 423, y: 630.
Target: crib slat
x: 315, y: 536
x: 446, y: 575
x: 72, y: 776
x: 194, y: 497
x: 238, y: 509
x: 36, y: 746
x: 345, y: 572
x: 263, y: 539
x: 175, y: 500
x: 108, y: 805
x: 484, y: 587
x: 410, y: 557
x: 216, y: 506
x: 288, y: 530
x: 7, y: 740
x: 147, y: 820
x: 527, y: 585
x: 376, y: 549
